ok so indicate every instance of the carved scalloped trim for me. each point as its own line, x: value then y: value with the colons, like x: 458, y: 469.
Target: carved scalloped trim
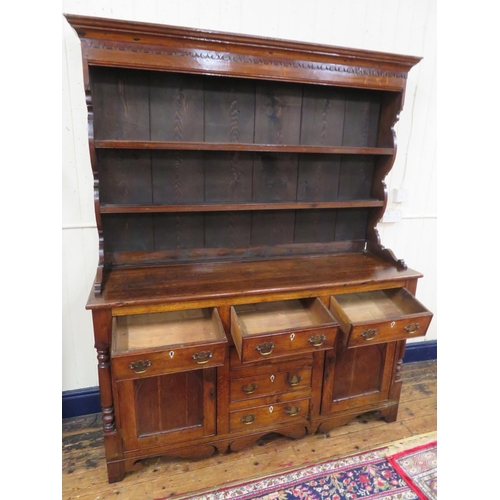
x: 99, y: 279
x: 245, y: 59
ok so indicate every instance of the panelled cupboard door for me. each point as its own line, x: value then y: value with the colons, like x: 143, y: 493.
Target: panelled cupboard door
x: 357, y: 377
x: 167, y: 409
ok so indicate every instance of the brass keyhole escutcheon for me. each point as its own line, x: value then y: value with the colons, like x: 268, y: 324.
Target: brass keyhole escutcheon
x: 412, y: 328
x: 294, y: 380
x: 369, y: 334
x: 248, y: 419
x: 266, y: 348
x: 140, y: 366
x: 317, y: 340
x: 249, y: 388
x: 292, y: 410
x: 202, y: 357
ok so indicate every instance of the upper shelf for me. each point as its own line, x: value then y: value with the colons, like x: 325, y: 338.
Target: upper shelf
x: 152, y: 110
x: 219, y: 146
x: 234, y: 207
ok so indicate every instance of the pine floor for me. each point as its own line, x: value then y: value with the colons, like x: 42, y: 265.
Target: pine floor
x: 84, y: 470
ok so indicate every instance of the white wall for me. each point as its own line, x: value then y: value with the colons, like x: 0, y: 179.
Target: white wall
x: 400, y: 26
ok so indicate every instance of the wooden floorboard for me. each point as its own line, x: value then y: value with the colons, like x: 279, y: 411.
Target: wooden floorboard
x: 84, y: 474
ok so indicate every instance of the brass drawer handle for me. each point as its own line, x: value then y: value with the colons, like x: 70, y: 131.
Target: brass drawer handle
x: 292, y: 410
x: 249, y: 388
x: 369, y: 334
x: 140, y: 366
x: 317, y: 340
x: 202, y: 357
x: 412, y: 328
x: 248, y: 419
x: 294, y: 380
x: 266, y: 348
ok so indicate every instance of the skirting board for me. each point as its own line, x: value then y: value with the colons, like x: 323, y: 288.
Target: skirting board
x: 86, y: 401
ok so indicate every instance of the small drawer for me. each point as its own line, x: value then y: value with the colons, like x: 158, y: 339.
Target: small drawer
x: 144, y: 345
x: 282, y: 328
x: 380, y: 316
x: 290, y: 379
x: 261, y: 416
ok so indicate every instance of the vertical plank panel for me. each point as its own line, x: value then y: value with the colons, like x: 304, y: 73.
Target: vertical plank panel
x: 229, y: 110
x: 79, y: 364
x: 227, y: 229
x: 228, y: 176
x: 314, y: 226
x: 174, y: 403
x: 178, y: 177
x: 351, y: 224
x: 124, y: 176
x: 128, y: 232
x: 120, y: 100
x: 77, y: 192
x: 147, y: 405
x: 262, y: 18
x: 178, y: 231
x: 364, y: 360
x: 318, y: 178
x: 273, y: 227
x: 177, y: 107
x: 323, y: 111
x: 190, y: 13
x: 356, y: 174
x: 277, y: 113
x: 275, y: 177
x: 361, y: 112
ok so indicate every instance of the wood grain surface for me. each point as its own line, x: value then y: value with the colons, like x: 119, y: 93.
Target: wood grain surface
x: 84, y: 475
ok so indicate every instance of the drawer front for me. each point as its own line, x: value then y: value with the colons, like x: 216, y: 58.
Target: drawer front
x: 280, y: 344
x: 290, y: 380
x: 380, y: 316
x: 271, y: 330
x: 377, y: 333
x: 262, y: 366
x: 269, y: 415
x: 175, y: 359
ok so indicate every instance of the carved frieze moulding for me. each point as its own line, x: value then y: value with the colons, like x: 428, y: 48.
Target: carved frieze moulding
x: 206, y: 55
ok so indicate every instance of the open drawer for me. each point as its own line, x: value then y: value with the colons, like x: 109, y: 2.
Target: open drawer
x: 380, y: 316
x: 159, y: 343
x: 281, y: 328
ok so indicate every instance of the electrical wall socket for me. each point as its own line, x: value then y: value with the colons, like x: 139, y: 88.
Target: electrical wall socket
x: 392, y: 215
x: 399, y: 195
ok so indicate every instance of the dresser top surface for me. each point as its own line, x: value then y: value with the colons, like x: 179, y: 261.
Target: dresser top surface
x: 236, y: 281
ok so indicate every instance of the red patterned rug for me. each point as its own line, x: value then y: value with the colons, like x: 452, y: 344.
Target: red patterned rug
x: 371, y: 475
x: 418, y: 467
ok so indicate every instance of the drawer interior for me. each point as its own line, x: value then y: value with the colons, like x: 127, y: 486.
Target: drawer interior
x: 150, y: 331
x: 268, y: 317
x: 379, y: 305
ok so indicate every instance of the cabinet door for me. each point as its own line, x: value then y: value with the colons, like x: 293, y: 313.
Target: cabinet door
x: 167, y: 409
x: 357, y: 377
